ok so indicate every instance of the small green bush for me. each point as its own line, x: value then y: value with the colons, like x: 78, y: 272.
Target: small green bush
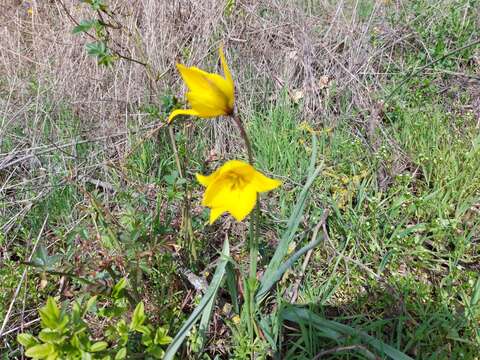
x: 69, y: 336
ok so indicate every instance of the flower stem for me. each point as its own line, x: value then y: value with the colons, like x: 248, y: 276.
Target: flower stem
x: 254, y: 224
x: 244, y: 135
x: 253, y: 244
x: 251, y: 282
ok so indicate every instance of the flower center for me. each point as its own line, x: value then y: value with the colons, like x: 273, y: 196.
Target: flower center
x: 237, y: 181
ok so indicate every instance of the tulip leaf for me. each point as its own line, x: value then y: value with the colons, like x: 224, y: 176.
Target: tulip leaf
x: 231, y: 281
x: 272, y: 273
x: 205, y: 304
x: 475, y: 299
x: 277, y: 275
x: 205, y: 320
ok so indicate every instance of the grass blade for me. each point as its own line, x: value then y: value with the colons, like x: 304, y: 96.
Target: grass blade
x: 205, y: 305
x: 337, y: 331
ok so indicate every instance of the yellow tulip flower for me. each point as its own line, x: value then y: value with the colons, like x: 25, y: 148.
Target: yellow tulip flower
x: 210, y: 95
x: 233, y: 188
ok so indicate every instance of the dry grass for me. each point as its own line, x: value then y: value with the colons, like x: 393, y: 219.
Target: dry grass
x: 305, y: 46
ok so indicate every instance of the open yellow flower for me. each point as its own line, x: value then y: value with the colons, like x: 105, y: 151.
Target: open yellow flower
x: 210, y: 95
x: 233, y: 188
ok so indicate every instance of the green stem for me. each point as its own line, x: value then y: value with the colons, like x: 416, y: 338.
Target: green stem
x: 254, y: 223
x: 244, y: 135
x: 253, y: 245
x: 171, y: 135
x: 253, y: 239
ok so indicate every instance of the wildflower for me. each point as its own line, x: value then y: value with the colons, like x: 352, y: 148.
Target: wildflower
x: 209, y: 95
x: 233, y: 188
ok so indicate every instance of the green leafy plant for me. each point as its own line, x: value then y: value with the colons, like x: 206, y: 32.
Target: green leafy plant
x: 99, y: 29
x: 68, y: 335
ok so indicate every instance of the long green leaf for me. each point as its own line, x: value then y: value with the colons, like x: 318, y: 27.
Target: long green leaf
x: 336, y: 331
x: 205, y: 320
x: 205, y: 304
x: 231, y: 280
x: 475, y: 299
x: 277, y: 275
x: 271, y: 273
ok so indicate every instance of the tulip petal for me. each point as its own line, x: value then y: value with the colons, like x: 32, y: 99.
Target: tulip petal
x: 217, y: 193
x: 263, y: 183
x: 199, y: 81
x: 207, y: 103
x: 239, y: 167
x: 242, y: 203
x: 210, y: 95
x: 194, y: 77
x: 228, y: 75
x: 237, y: 201
x: 206, y: 180
x: 224, y: 87
x: 233, y: 188
x: 182, y: 112
x: 215, y: 213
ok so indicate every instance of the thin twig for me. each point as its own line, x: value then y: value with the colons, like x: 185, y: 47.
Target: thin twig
x: 105, y: 186
x: 454, y: 73
x: 120, y: 55
x: 21, y: 327
x: 142, y: 141
x: 17, y: 290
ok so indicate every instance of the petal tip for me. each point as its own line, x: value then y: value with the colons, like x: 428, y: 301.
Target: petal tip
x: 215, y: 213
x: 180, y: 66
x: 239, y: 218
x: 202, y: 179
